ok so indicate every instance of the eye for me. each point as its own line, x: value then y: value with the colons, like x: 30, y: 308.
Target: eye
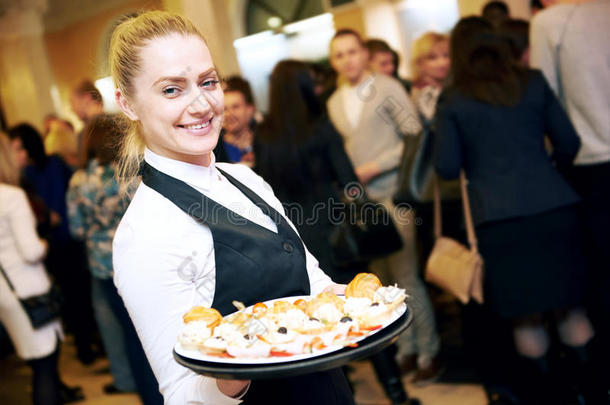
x: 170, y: 91
x: 209, y: 84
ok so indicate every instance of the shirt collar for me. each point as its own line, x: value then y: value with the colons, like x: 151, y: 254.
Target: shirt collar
x: 201, y: 177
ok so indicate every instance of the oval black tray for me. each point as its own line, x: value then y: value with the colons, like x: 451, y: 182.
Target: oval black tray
x: 366, y: 347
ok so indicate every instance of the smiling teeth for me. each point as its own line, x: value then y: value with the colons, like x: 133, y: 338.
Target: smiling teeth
x: 197, y: 126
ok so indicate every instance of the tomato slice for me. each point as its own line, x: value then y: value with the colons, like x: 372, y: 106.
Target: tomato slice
x: 273, y: 353
x: 371, y: 327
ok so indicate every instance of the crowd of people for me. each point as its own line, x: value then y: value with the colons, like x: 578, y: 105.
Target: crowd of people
x: 519, y: 108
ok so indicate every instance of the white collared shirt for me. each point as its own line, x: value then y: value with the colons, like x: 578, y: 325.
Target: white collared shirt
x: 164, y: 265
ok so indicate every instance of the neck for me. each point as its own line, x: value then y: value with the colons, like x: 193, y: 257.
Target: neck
x: 356, y: 81
x: 204, y: 159
x: 430, y: 81
x: 240, y: 137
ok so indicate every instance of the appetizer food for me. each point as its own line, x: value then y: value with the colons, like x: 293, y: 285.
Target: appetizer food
x: 286, y: 328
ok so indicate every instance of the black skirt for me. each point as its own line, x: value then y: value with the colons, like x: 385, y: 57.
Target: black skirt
x: 533, y: 264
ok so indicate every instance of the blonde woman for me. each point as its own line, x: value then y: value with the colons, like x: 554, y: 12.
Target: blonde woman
x: 430, y: 66
x: 21, y: 255
x: 168, y: 256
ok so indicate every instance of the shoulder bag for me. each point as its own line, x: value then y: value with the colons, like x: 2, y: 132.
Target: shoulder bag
x: 452, y: 266
x: 41, y: 309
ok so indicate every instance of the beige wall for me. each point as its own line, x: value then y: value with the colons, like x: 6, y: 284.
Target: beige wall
x: 350, y: 17
x: 73, y: 50
x: 518, y: 8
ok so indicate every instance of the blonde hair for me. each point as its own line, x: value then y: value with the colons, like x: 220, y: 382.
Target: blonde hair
x: 128, y: 38
x: 422, y: 47
x: 9, y: 172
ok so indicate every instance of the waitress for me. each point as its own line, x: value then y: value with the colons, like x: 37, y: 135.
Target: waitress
x: 196, y: 232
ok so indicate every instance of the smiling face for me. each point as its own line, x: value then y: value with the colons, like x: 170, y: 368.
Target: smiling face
x: 178, y: 101
x: 238, y: 113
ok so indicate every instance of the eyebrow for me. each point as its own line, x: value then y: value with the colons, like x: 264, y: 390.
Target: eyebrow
x: 181, y: 78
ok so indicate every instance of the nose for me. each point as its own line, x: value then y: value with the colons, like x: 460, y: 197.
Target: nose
x: 202, y: 103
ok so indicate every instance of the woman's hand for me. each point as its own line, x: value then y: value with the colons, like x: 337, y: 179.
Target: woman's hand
x: 45, y: 247
x: 233, y: 388
x: 367, y: 172
x: 337, y: 289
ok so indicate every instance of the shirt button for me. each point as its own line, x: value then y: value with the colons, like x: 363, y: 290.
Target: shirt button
x: 288, y: 247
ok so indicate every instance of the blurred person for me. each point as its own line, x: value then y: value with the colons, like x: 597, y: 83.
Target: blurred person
x: 373, y: 113
x: 516, y: 32
x: 491, y: 124
x: 237, y: 136
x: 381, y: 58
x: 496, y: 12
x: 86, y: 102
x: 94, y: 210
x: 301, y: 155
x: 46, y: 123
x: 239, y: 83
x: 61, y: 140
x: 21, y: 258
x: 430, y: 66
x: 48, y: 177
x: 325, y: 79
x: 569, y: 43
x: 384, y: 60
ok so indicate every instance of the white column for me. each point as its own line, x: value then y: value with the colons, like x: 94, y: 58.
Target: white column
x: 381, y: 22
x: 25, y: 74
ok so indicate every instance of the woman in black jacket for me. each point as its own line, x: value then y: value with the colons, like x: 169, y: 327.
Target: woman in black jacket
x: 300, y: 154
x: 492, y: 124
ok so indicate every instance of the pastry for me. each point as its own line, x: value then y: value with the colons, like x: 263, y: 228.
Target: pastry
x: 364, y: 285
x: 210, y: 316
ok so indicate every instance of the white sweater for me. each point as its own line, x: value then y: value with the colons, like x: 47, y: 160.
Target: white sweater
x: 570, y: 43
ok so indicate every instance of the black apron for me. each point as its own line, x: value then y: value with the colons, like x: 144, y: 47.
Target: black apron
x: 254, y: 264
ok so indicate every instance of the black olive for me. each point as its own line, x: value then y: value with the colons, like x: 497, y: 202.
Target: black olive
x: 374, y: 304
x: 314, y: 319
x: 282, y: 329
x: 246, y: 336
x: 346, y: 319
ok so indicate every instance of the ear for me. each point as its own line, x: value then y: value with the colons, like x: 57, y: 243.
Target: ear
x: 125, y: 106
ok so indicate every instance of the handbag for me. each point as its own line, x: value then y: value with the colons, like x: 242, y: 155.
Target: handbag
x: 41, y: 309
x: 366, y: 234
x: 452, y: 266
x: 416, y: 172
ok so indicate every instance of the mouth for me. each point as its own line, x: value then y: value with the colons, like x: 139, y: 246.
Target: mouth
x: 198, y: 127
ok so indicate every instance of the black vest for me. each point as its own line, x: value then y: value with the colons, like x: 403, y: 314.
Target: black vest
x: 254, y: 264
